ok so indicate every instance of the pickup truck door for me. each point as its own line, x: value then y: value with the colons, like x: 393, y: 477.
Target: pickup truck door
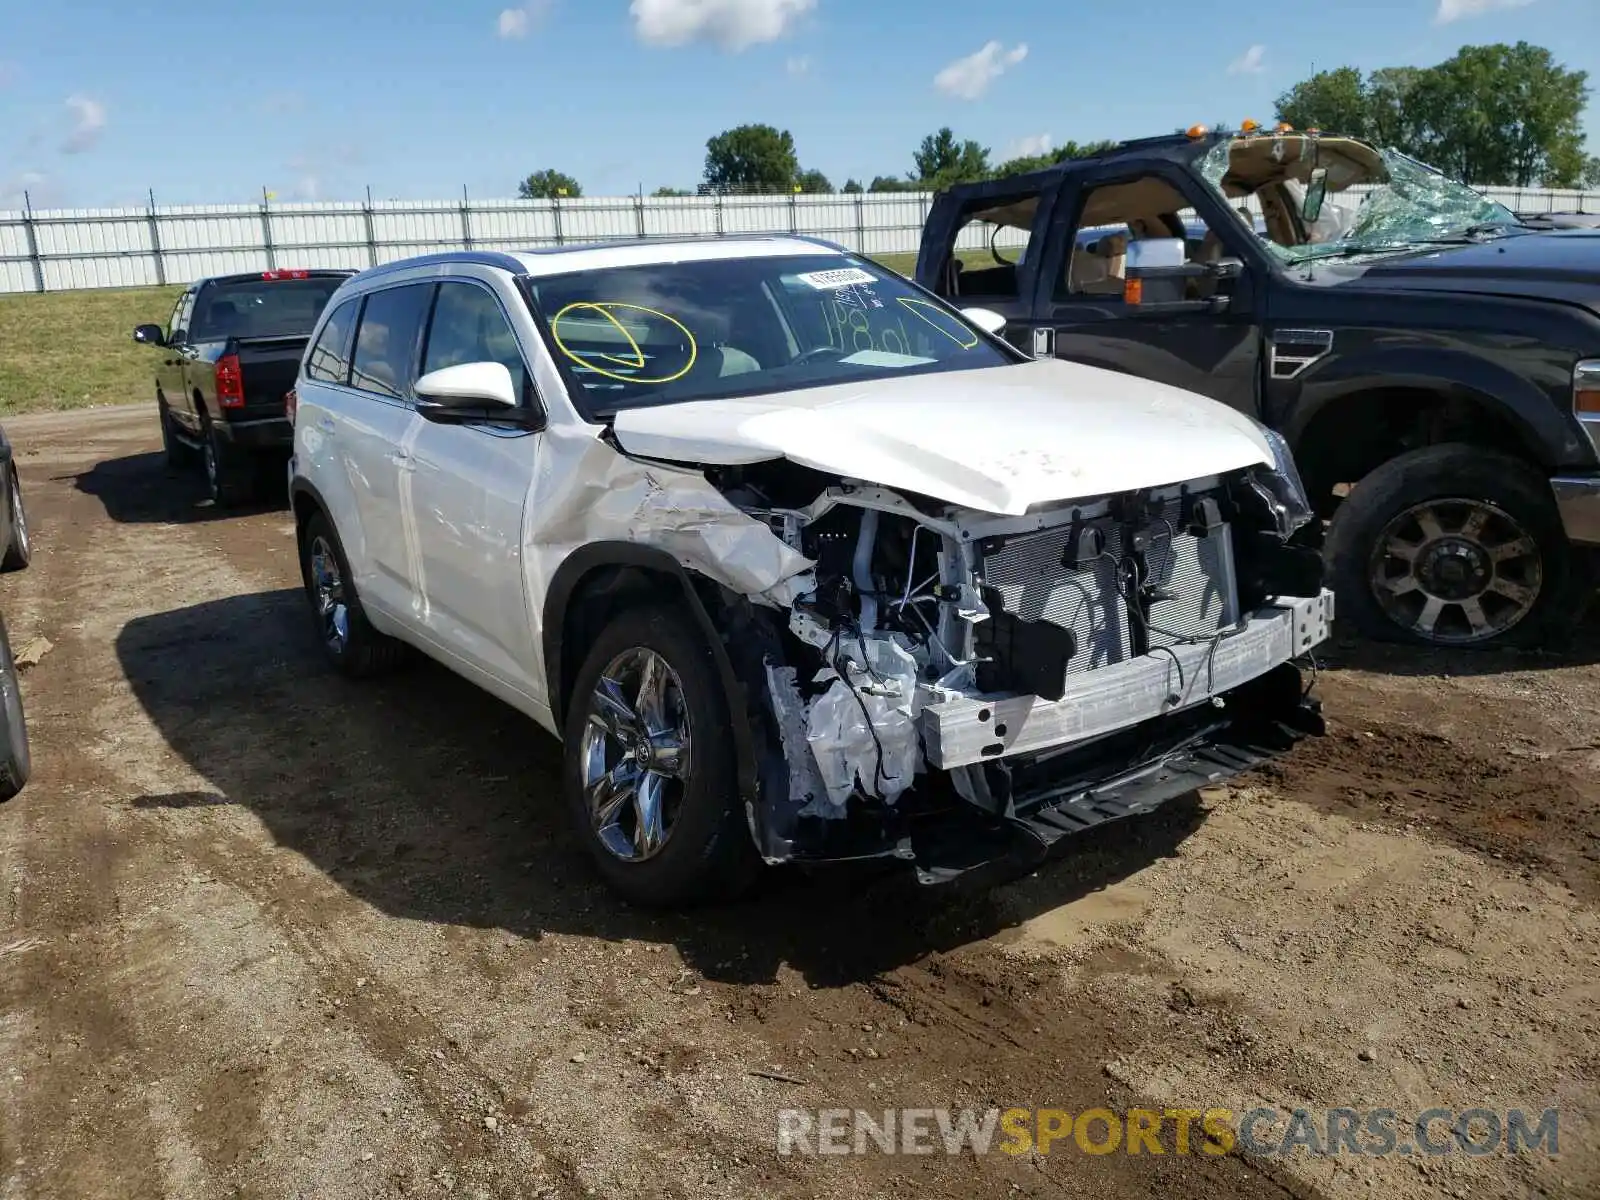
x: 1080, y: 313
x: 981, y: 246
x: 468, y: 485
x: 170, y: 368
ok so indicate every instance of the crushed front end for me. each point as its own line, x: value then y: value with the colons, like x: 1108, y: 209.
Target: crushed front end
x: 956, y: 688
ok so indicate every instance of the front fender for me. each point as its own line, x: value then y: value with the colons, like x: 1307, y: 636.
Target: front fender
x: 1548, y: 432
x: 599, y: 559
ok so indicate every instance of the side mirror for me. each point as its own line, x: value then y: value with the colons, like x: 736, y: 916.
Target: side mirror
x: 1157, y: 278
x: 479, y: 385
x: 1148, y: 254
x: 985, y: 319
x: 149, y: 335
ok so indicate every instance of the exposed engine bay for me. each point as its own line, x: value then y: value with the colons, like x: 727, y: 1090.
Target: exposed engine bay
x: 950, y: 686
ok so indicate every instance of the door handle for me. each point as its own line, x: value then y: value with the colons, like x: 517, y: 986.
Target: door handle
x: 403, y: 460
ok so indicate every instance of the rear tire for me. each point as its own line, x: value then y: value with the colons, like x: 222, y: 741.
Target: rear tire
x: 231, y: 478
x: 353, y: 647
x: 16, y: 761
x: 668, y: 743
x: 1454, y: 545
x: 19, y: 550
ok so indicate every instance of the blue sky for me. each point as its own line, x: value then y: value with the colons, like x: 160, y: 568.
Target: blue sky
x: 208, y: 102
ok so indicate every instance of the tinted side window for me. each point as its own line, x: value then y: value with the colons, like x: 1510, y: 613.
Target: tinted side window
x: 330, y: 357
x: 468, y: 326
x: 386, y: 343
x: 179, y: 333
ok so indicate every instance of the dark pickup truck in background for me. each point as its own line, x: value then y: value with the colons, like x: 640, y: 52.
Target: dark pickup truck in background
x: 1433, y: 362
x: 229, y: 354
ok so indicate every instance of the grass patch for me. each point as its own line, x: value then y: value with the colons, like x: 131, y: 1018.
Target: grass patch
x: 74, y: 349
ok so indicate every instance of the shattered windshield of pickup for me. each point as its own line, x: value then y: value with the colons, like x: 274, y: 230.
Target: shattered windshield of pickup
x: 1374, y: 201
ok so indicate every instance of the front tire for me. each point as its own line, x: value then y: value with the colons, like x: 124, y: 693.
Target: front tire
x: 19, y: 550
x: 1453, y: 545
x: 650, y: 776
x: 352, y: 646
x: 179, y: 453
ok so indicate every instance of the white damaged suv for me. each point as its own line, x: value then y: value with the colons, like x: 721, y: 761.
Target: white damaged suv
x: 798, y: 562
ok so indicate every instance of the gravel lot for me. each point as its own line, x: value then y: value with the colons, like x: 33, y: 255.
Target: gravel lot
x: 265, y: 933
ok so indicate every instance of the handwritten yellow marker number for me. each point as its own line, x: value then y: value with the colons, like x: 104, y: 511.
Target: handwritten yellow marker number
x: 607, y: 310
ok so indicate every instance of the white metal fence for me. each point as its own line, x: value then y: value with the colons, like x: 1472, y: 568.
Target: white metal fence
x: 59, y: 249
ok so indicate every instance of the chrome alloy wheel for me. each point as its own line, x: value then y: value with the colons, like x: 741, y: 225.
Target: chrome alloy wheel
x: 635, y: 755
x: 19, y: 515
x: 327, y: 589
x: 1456, y: 571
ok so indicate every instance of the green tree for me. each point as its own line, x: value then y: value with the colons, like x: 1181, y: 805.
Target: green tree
x: 1334, y: 101
x: 852, y: 187
x: 941, y: 160
x: 892, y: 183
x: 813, y: 182
x: 1496, y: 114
x: 1038, y: 162
x: 1389, y: 117
x: 671, y: 191
x: 547, y: 185
x: 752, y: 157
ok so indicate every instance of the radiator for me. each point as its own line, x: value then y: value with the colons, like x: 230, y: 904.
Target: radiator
x: 1032, y: 578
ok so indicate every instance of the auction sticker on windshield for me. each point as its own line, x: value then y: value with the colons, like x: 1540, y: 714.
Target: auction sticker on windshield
x: 828, y: 281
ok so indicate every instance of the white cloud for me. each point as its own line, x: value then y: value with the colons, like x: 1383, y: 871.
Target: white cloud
x: 519, y: 22
x: 969, y: 78
x: 1027, y: 147
x: 798, y: 67
x: 1248, y: 63
x: 16, y: 191
x: 1455, y: 10
x: 88, y: 121
x: 730, y: 24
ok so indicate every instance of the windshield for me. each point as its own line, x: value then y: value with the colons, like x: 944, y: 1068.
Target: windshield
x: 1371, y: 200
x: 666, y: 333
x: 261, y: 308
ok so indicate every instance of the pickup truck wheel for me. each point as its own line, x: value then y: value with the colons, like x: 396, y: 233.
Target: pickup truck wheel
x: 1452, y: 546
x: 650, y: 772
x: 353, y: 646
x: 179, y: 452
x: 19, y: 550
x: 230, y: 477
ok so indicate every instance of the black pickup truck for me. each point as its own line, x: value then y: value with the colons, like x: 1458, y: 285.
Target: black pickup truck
x: 1433, y: 362
x: 229, y: 354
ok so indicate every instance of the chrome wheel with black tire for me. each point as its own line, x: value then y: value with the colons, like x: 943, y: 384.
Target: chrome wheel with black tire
x: 18, y: 551
x: 230, y: 476
x: 650, y: 775
x: 351, y: 644
x: 636, y: 754
x: 1452, y: 545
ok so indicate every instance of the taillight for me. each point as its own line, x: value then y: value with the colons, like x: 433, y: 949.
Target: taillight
x: 230, y: 382
x: 291, y: 404
x: 286, y: 274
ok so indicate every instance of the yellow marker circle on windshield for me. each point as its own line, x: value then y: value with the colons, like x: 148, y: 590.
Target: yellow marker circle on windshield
x: 921, y: 308
x: 636, y: 360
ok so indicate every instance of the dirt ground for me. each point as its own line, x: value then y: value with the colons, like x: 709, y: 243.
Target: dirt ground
x: 266, y: 933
